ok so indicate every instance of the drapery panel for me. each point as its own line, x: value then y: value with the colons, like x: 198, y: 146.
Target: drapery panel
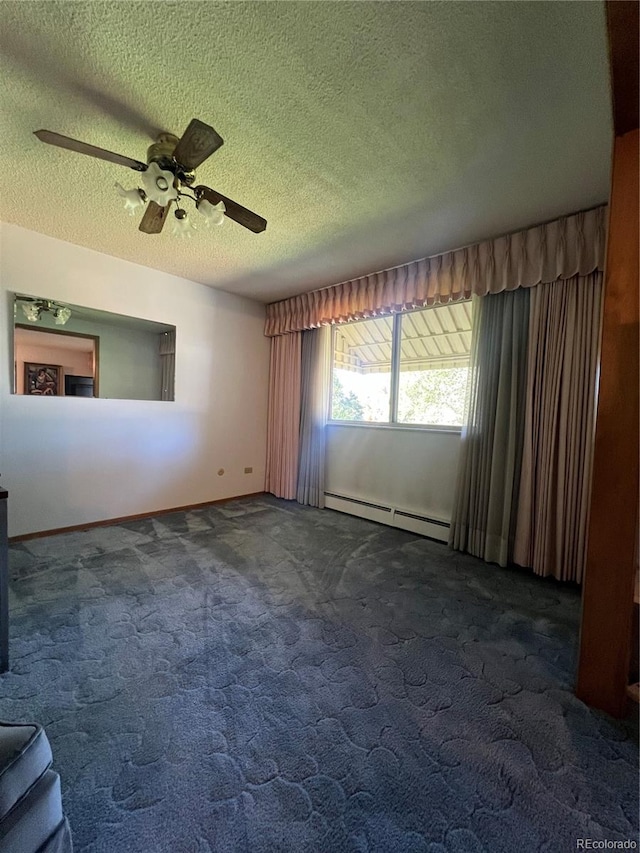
x: 569, y: 246
x: 313, y: 415
x: 167, y: 349
x: 283, y: 418
x: 484, y: 513
x: 553, y: 507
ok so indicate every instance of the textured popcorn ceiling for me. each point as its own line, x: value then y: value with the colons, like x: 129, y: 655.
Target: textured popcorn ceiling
x: 367, y: 134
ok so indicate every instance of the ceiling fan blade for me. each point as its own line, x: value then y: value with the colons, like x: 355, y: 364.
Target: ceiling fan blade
x: 198, y: 142
x: 52, y: 138
x: 234, y: 211
x: 154, y: 218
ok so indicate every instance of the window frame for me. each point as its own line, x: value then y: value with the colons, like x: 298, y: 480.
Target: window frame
x: 396, y: 343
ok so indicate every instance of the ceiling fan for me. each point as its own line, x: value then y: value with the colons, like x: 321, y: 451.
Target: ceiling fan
x: 168, y: 177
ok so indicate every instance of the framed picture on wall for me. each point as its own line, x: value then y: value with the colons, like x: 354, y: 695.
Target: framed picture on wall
x: 44, y: 380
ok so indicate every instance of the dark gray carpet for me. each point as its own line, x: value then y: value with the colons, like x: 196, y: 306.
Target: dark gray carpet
x: 260, y: 676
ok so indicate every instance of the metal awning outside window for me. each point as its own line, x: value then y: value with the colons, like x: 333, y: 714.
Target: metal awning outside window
x: 432, y: 338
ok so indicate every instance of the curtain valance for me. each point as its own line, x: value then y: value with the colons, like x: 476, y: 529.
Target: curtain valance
x: 569, y: 246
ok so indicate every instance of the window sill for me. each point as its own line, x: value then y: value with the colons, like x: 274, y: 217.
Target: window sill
x: 455, y: 430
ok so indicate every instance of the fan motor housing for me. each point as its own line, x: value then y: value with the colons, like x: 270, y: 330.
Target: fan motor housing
x: 162, y: 148
x: 161, y: 152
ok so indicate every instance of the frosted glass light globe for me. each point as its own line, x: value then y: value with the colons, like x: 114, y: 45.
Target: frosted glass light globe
x: 133, y: 199
x: 61, y: 315
x: 31, y: 311
x: 213, y: 213
x: 158, y: 185
x: 182, y: 225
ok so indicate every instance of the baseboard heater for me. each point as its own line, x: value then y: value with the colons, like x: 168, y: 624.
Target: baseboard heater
x: 435, y: 528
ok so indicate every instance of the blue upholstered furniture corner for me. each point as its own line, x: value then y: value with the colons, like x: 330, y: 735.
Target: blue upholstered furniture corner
x: 31, y: 816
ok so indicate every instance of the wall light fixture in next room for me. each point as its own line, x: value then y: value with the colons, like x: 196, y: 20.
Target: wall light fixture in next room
x: 33, y: 309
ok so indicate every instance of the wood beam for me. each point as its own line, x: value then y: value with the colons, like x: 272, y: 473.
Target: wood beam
x: 608, y: 595
x: 607, y: 604
x: 623, y: 26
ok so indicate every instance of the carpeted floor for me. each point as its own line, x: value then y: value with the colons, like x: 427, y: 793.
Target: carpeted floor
x: 260, y: 676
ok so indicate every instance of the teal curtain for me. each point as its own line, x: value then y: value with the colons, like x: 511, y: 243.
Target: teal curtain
x: 314, y: 404
x: 168, y: 365
x: 555, y: 487
x: 484, y: 515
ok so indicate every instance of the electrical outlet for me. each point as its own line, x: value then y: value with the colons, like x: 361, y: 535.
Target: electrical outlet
x: 248, y: 470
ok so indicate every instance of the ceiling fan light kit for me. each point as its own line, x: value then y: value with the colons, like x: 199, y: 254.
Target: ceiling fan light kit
x: 167, y: 179
x: 33, y: 309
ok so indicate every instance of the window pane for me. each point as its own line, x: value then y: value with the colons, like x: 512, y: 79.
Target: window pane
x: 434, y: 360
x: 362, y: 371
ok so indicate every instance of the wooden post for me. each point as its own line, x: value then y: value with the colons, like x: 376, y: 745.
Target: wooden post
x: 607, y: 603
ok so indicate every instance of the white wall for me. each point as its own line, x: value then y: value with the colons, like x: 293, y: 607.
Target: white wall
x: 72, y: 460
x: 407, y: 469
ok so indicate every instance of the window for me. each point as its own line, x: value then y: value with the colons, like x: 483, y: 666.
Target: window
x: 408, y: 369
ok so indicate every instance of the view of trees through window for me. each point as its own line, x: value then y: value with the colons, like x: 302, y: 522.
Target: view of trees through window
x: 429, y: 364
x: 360, y: 398
x: 432, y: 396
